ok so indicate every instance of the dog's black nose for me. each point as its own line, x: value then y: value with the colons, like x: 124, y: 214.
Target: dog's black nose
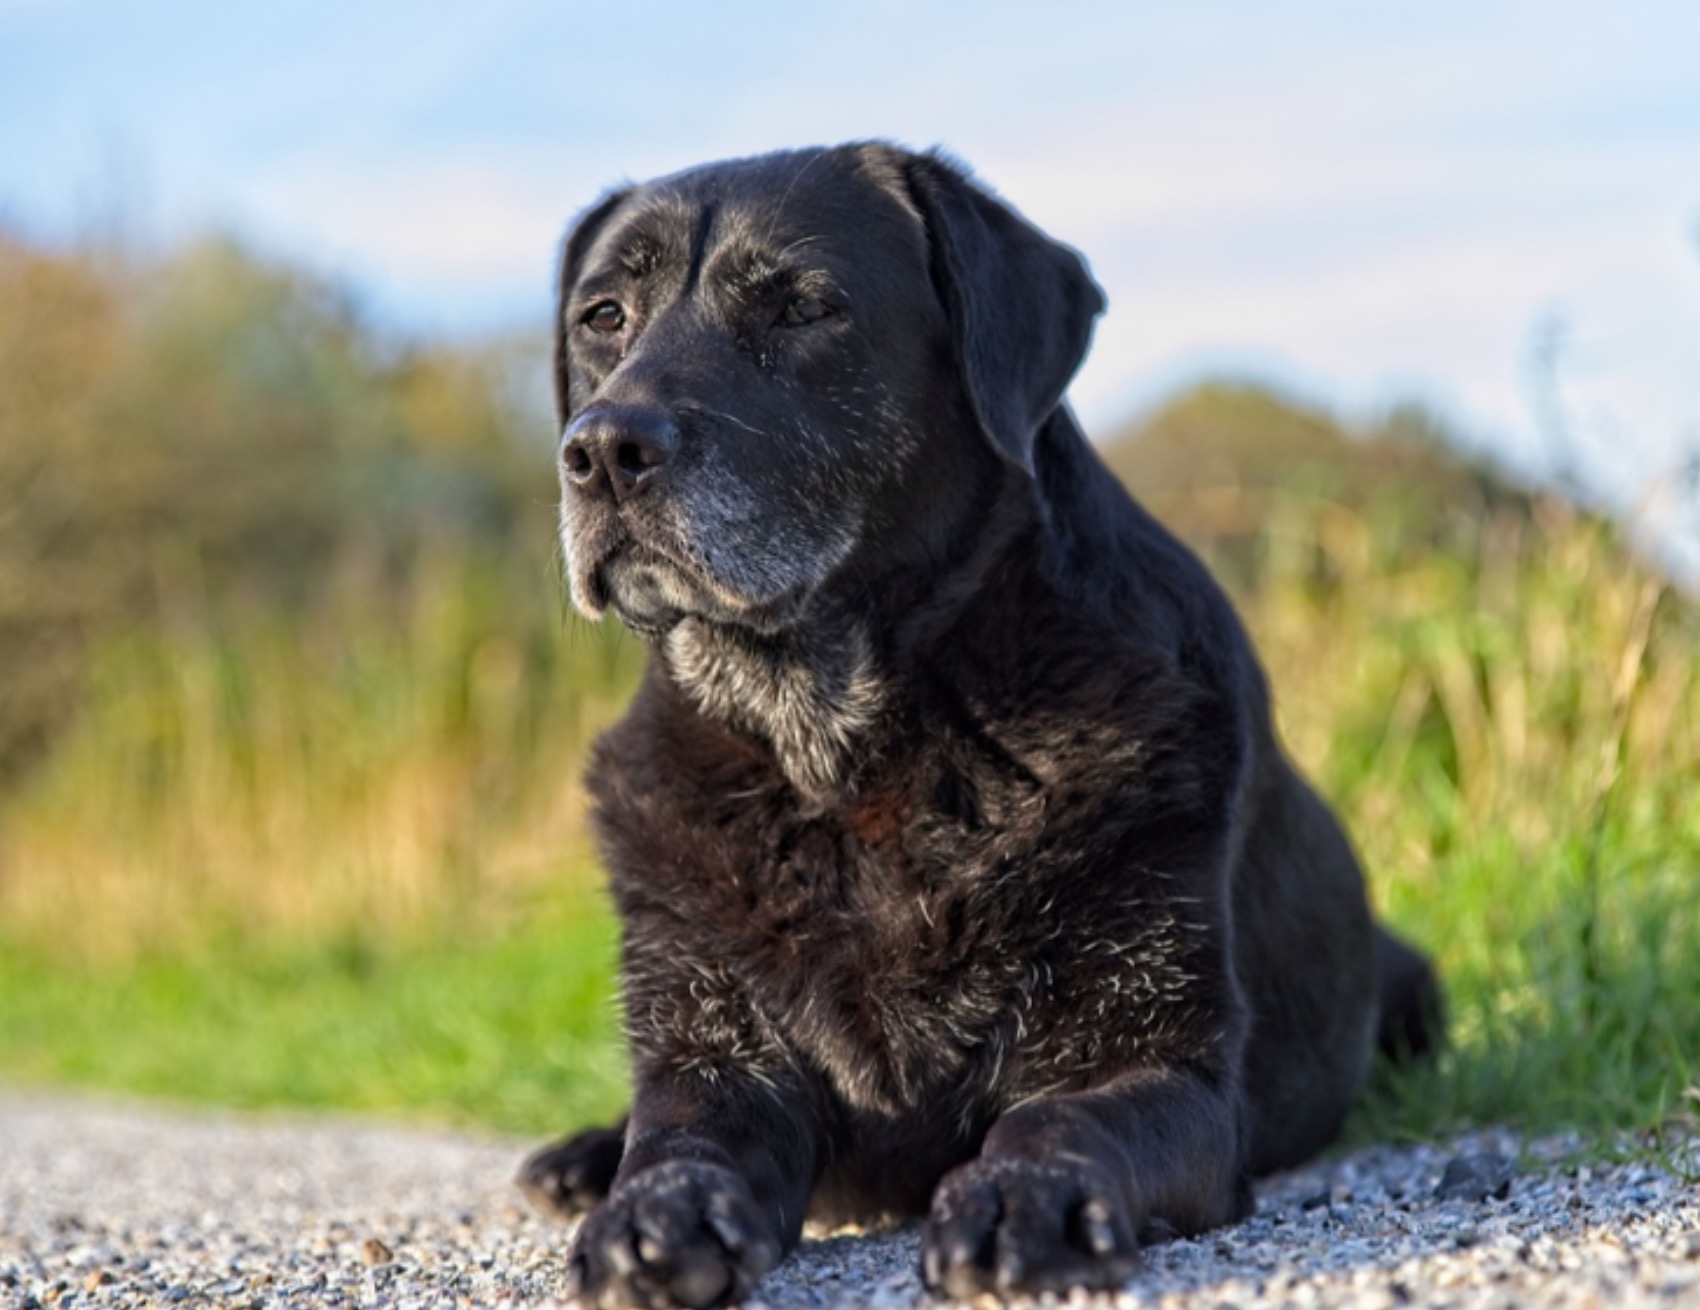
x: 617, y: 450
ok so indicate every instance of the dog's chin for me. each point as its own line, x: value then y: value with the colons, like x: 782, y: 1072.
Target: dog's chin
x: 651, y: 594
x: 646, y: 598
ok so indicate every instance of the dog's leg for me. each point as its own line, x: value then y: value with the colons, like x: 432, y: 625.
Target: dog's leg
x: 1064, y: 1186
x: 710, y: 1193
x: 567, y: 1177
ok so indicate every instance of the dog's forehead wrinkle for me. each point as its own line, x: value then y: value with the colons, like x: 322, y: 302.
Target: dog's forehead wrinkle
x: 843, y: 230
x: 653, y: 229
x: 640, y: 253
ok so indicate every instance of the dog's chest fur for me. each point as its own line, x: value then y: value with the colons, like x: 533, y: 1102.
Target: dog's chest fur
x: 958, y: 930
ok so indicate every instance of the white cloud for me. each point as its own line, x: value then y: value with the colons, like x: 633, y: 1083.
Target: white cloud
x: 442, y: 221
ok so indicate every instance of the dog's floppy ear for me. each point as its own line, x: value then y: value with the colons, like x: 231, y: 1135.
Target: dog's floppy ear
x: 1020, y: 305
x: 573, y: 250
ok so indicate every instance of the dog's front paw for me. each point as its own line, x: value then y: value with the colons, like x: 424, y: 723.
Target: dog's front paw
x: 1004, y: 1226
x: 567, y: 1177
x: 677, y: 1234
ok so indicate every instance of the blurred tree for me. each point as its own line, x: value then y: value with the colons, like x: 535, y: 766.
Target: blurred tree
x: 59, y: 336
x: 1217, y: 461
x: 216, y: 429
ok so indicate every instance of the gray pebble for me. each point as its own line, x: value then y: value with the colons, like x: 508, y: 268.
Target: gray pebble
x: 1475, y: 1177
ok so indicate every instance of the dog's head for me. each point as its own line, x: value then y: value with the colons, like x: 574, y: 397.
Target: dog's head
x: 769, y: 369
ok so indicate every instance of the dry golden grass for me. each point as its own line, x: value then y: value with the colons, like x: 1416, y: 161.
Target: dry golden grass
x: 269, y: 782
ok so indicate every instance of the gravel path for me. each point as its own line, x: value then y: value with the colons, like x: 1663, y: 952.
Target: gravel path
x: 105, y: 1204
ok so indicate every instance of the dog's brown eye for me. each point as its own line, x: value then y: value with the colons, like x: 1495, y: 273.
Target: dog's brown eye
x: 605, y: 317
x: 803, y: 310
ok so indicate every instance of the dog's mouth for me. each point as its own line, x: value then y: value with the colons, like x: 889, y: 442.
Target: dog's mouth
x: 651, y: 588
x: 646, y: 590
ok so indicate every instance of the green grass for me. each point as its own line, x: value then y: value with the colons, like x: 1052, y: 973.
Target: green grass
x: 1572, y: 1007
x: 514, y: 1030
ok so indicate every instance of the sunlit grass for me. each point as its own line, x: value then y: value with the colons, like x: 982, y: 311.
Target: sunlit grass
x: 382, y: 770
x: 1514, y: 739
x: 513, y: 1029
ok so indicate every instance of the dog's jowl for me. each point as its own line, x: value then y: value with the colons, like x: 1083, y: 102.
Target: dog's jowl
x: 960, y: 870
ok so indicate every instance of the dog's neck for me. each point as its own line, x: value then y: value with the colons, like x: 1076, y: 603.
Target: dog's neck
x: 815, y: 693
x: 810, y: 697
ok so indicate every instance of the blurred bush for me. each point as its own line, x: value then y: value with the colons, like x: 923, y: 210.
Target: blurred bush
x: 1221, y: 462
x: 278, y: 615
x: 1425, y: 620
x: 214, y: 430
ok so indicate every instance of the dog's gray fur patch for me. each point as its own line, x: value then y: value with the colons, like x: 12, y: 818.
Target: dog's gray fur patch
x: 810, y: 700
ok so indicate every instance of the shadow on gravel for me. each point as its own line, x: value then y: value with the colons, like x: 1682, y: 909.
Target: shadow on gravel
x: 1382, y: 1227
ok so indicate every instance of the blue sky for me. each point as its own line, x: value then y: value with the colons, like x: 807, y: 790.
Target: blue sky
x: 1359, y: 202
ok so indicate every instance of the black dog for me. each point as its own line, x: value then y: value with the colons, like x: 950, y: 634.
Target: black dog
x: 961, y: 871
